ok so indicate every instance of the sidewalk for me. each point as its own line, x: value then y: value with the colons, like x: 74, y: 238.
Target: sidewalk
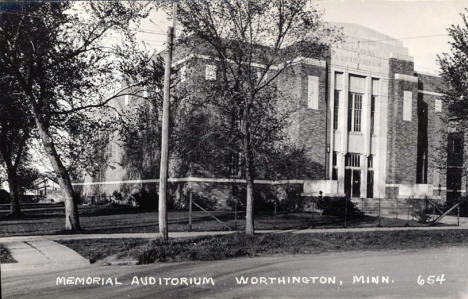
x: 51, y: 238
x: 39, y: 253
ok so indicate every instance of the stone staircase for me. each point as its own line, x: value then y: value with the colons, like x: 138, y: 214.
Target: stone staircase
x: 392, y: 208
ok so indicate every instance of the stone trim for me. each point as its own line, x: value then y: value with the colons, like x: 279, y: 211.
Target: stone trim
x: 432, y: 93
x: 409, y: 78
x: 305, y: 60
x: 310, y: 61
x: 193, y: 179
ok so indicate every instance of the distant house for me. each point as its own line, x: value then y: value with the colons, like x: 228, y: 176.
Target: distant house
x: 47, y: 189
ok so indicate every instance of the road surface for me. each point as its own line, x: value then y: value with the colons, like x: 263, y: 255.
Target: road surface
x: 397, y: 272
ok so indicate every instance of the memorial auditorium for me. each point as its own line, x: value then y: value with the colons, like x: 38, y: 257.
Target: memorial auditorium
x: 376, y: 126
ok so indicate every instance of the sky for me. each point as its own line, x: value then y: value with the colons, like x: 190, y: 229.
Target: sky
x: 420, y: 25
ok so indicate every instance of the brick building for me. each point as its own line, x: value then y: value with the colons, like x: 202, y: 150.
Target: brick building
x: 374, y: 124
x: 375, y: 127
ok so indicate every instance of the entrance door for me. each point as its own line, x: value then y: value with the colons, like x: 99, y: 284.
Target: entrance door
x: 356, y: 183
x: 352, y: 182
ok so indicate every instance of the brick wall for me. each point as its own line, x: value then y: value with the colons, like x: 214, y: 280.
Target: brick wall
x: 402, y: 135
x: 308, y: 127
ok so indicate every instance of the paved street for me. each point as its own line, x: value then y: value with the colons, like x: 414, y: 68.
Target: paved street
x: 401, y: 267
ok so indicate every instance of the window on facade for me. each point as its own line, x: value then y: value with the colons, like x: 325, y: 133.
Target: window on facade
x: 210, y: 72
x: 438, y: 106
x: 372, y: 115
x: 335, y: 166
x: 353, y: 160
x: 313, y: 92
x: 407, y: 103
x: 370, y: 161
x: 354, y: 112
x: 336, y: 109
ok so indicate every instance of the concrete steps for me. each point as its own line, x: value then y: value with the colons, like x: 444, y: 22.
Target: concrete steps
x: 388, y: 207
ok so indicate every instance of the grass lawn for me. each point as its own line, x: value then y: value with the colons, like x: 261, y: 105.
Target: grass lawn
x: 42, y: 220
x: 5, y: 256
x: 240, y: 245
x: 96, y: 249
x: 100, y: 219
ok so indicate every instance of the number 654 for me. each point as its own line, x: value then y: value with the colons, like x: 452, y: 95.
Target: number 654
x: 431, y: 279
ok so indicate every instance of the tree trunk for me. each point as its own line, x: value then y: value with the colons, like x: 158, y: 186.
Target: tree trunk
x: 72, y: 221
x: 14, y: 192
x: 249, y: 219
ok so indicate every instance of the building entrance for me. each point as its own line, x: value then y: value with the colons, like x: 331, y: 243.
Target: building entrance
x: 352, y: 175
x: 353, y: 182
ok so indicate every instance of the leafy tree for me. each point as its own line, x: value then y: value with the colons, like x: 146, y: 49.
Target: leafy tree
x: 454, y: 71
x: 139, y: 130
x: 240, y: 36
x: 67, y: 60
x: 15, y: 130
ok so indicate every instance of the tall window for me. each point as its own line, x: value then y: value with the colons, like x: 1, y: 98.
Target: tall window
x: 407, y: 103
x: 335, y: 166
x: 353, y: 160
x: 313, y: 92
x: 354, y: 112
x: 372, y: 114
x: 336, y: 109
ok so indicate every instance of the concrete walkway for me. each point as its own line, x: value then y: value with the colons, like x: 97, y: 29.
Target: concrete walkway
x: 50, y: 238
x: 39, y: 253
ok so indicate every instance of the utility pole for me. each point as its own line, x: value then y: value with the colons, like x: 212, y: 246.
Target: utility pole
x: 162, y: 207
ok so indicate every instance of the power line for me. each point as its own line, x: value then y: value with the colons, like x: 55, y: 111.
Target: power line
x: 358, y: 41
x: 395, y: 39
x: 83, y: 23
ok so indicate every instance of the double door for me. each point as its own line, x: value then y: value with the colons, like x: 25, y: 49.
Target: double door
x: 353, y: 182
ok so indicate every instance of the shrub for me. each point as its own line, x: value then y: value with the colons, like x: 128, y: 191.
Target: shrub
x: 294, y: 201
x: 202, y: 248
x: 4, y: 197
x: 287, y: 198
x: 336, y: 206
x: 264, y: 198
x: 204, y: 201
x: 145, y: 200
x: 117, y: 195
x: 463, y: 206
x: 421, y: 215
